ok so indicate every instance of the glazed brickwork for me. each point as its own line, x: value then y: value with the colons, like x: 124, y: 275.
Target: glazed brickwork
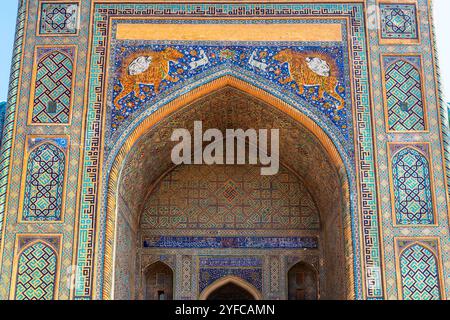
x: 411, y: 178
x: 79, y: 74
x: 399, y: 21
x: 44, y: 182
x: 53, y: 83
x: 405, y: 103
x: 58, y: 18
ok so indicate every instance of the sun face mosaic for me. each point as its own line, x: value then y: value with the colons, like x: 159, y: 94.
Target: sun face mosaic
x: 314, y: 74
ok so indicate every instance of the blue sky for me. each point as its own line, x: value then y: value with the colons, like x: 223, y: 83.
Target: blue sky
x: 8, y: 15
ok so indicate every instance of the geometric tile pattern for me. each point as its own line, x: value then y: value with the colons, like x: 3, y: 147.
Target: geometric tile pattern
x: 404, y: 96
x: 44, y: 184
x: 274, y: 274
x: 412, y: 188
x: 59, y: 18
x: 90, y: 188
x: 216, y: 197
x: 16, y: 99
x: 398, y: 21
x: 36, y: 273
x: 231, y: 242
x: 214, y: 268
x: 53, y: 86
x: 419, y: 274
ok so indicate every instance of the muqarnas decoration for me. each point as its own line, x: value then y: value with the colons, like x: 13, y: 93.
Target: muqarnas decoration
x: 53, y: 82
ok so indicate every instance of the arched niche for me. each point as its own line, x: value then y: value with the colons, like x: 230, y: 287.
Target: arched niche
x: 231, y: 285
x: 303, y: 282
x: 304, y: 148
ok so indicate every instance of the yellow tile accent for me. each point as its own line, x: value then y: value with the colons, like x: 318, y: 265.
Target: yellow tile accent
x: 230, y: 32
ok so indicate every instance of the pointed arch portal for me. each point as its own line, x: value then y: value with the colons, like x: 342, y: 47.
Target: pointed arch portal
x: 330, y: 125
x: 307, y: 157
x: 230, y: 288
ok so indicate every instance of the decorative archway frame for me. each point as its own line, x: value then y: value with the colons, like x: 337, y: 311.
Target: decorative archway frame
x: 117, y: 161
x: 53, y: 241
x: 227, y: 280
x: 96, y: 228
x: 432, y: 244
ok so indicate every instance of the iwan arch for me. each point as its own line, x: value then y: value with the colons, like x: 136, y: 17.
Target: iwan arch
x: 358, y: 209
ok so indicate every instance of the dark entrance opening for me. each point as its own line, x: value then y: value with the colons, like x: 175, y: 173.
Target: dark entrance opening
x: 230, y: 291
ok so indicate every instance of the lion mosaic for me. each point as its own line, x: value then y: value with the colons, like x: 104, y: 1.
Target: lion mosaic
x: 146, y: 67
x: 311, y: 69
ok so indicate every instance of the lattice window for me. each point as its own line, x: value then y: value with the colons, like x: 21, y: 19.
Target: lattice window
x: 419, y: 274
x: 36, y: 273
x: 44, y: 184
x: 412, y: 188
x: 53, y: 86
x: 404, y: 97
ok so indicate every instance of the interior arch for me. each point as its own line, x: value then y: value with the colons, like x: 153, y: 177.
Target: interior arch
x: 234, y: 283
x: 304, y: 151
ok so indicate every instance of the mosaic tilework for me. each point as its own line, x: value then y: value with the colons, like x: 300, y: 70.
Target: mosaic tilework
x: 59, y: 18
x: 387, y: 231
x: 357, y: 33
x: 53, y: 85
x: 398, y: 21
x: 134, y: 92
x: 206, y: 198
x: 232, y: 242
x: 412, y: 186
x: 2, y: 119
x: 44, y: 183
x: 7, y: 134
x: 13, y: 153
x: 419, y: 273
x: 215, y: 268
x: 274, y: 263
x: 436, y: 121
x: 36, y: 273
x: 403, y: 85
